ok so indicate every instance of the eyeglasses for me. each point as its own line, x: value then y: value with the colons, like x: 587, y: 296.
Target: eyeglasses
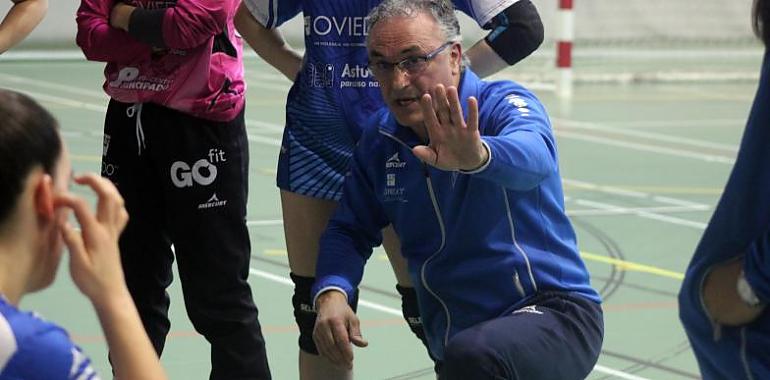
x: 409, y: 65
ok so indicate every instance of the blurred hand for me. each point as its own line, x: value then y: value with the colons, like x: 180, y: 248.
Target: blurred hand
x: 336, y: 327
x: 720, y: 296
x: 120, y: 17
x: 94, y: 254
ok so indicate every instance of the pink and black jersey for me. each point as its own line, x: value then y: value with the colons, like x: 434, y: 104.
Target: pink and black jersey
x: 181, y: 54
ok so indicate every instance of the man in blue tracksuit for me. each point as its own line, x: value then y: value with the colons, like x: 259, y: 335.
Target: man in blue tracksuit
x: 474, y: 194
x: 727, y: 285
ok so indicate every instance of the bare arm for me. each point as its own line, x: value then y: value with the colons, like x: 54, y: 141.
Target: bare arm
x: 24, y: 16
x: 268, y: 44
x: 484, y: 60
x: 96, y: 270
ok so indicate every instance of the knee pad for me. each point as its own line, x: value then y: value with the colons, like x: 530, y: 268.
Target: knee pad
x: 411, y: 311
x: 516, y: 32
x: 304, y: 311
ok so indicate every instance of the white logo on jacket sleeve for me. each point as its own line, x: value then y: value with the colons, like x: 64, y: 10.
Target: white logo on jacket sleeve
x: 202, y: 172
x: 519, y: 103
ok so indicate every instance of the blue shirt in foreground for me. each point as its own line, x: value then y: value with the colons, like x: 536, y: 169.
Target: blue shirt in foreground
x: 33, y: 349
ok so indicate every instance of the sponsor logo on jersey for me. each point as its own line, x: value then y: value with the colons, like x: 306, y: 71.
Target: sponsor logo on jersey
x: 129, y: 78
x: 351, y: 26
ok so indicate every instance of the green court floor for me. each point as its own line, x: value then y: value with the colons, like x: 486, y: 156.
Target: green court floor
x: 643, y: 166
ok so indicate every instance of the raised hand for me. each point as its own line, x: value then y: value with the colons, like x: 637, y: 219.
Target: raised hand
x: 720, y: 296
x: 95, y: 259
x: 454, y: 144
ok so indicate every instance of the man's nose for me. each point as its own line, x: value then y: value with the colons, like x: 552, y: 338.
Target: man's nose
x: 400, y: 78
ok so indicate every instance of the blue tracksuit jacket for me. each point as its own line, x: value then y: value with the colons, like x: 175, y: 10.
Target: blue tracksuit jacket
x: 739, y: 227
x: 478, y: 245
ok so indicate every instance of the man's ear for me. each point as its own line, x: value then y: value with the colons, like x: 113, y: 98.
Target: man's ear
x: 42, y: 184
x: 456, y: 57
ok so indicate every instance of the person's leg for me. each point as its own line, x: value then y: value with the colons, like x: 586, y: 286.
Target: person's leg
x: 555, y: 338
x: 207, y: 194
x: 144, y: 245
x: 410, y: 309
x: 304, y: 220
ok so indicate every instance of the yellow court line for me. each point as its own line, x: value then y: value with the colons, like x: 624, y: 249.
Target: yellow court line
x: 632, y: 267
x: 620, y: 264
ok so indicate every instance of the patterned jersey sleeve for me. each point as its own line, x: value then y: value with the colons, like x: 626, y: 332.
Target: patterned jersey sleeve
x: 49, y: 355
x: 272, y: 13
x: 482, y: 10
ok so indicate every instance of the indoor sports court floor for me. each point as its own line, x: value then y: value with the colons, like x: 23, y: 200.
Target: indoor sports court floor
x: 643, y: 166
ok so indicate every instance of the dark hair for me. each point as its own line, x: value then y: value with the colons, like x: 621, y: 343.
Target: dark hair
x: 28, y: 138
x: 760, y: 20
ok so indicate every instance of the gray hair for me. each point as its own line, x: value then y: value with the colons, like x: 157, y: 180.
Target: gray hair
x: 442, y: 11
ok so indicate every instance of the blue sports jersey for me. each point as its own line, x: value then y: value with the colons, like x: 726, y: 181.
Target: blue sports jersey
x: 335, y: 93
x: 31, y: 349
x: 335, y: 69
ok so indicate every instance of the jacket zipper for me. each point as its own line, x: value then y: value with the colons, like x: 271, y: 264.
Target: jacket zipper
x: 518, y: 248
x: 438, y: 251
x: 441, y: 226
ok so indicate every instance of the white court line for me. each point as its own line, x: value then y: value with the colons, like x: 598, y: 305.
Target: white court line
x: 648, y: 148
x: 265, y: 125
x: 263, y: 140
x: 644, y: 214
x: 277, y: 142
x: 733, y: 123
x: 680, y: 202
x: 263, y: 223
x: 103, y: 109
x: 397, y: 313
x: 649, y: 135
x: 632, y: 194
x: 575, y: 136
x: 55, y: 86
x: 634, y: 210
x: 620, y: 374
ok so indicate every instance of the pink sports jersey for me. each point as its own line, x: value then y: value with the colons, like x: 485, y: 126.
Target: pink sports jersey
x: 198, y: 71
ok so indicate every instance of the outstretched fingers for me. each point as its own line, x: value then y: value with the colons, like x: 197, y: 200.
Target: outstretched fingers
x: 473, y: 114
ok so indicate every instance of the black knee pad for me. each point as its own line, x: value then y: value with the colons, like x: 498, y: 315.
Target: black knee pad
x: 304, y: 312
x: 411, y: 311
x: 516, y: 32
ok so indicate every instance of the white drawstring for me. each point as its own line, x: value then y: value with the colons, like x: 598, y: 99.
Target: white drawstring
x: 136, y: 109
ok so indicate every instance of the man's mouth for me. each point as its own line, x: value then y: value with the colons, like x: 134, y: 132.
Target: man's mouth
x: 406, y: 102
